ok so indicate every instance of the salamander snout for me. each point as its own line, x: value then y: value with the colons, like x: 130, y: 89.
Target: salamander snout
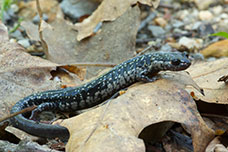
x: 180, y: 62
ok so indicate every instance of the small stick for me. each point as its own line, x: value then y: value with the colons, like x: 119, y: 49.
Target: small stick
x: 17, y: 113
x: 43, y: 43
x: 90, y: 64
x: 144, y: 50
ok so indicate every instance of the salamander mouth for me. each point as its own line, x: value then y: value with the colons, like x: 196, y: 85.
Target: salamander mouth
x: 184, y: 65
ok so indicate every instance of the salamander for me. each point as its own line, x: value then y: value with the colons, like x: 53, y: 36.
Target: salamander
x: 95, y: 92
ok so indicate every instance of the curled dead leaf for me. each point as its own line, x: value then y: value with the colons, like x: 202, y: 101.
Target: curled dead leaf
x: 108, y: 10
x: 114, y: 44
x: 207, y: 74
x: 21, y: 74
x: 117, y: 125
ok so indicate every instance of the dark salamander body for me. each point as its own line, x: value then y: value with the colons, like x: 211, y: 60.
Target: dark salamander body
x: 94, y: 92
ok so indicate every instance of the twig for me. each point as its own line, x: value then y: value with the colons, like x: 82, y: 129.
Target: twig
x: 146, y: 21
x: 43, y: 43
x: 214, y: 115
x: 17, y: 113
x: 144, y: 50
x: 90, y: 64
x: 162, y: 5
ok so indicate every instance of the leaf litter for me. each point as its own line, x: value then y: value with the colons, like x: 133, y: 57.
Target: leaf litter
x: 122, y: 125
x: 108, y: 10
x: 207, y: 75
x: 126, y: 116
x: 103, y: 47
x: 21, y: 74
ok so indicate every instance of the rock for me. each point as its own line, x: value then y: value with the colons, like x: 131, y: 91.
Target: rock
x: 160, y: 21
x: 36, y: 19
x: 222, y: 26
x: 166, y: 47
x: 205, y: 30
x: 182, y: 14
x: 197, y: 56
x: 196, y: 25
x: 156, y: 43
x: 17, y: 35
x: 177, y: 23
x: 191, y: 43
x: 188, y: 16
x: 24, y: 42
x: 77, y: 9
x: 148, y: 19
x: 24, y: 146
x: 205, y: 15
x: 217, y: 10
x: 203, y: 4
x: 9, y: 17
x: 14, y: 7
x: 6, y: 17
x: 156, y: 31
x: 223, y: 16
x: 178, y: 31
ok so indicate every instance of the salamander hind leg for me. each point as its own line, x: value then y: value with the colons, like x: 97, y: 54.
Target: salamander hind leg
x: 47, y: 106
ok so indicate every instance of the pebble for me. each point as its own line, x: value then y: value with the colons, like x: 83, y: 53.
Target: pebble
x: 217, y: 10
x: 177, y: 23
x: 77, y: 9
x: 6, y: 17
x: 14, y: 7
x: 9, y: 16
x: 223, y: 16
x: 205, y: 30
x: 196, y: 25
x: 182, y: 14
x: 36, y: 19
x: 179, y: 31
x: 191, y: 43
x: 205, y: 15
x: 191, y: 16
x: 156, y: 31
x: 17, y: 35
x: 197, y: 56
x: 25, y: 43
x: 203, y: 4
x: 166, y: 47
x: 160, y: 21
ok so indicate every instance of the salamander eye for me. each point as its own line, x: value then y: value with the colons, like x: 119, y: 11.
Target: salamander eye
x: 175, y: 62
x: 185, y: 54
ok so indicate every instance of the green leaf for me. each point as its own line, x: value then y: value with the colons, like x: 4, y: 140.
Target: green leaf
x: 222, y: 34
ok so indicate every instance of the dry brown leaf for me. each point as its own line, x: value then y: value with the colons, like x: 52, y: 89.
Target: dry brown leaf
x: 50, y: 7
x: 108, y: 10
x: 114, y: 44
x: 79, y: 71
x: 126, y: 116
x: 217, y: 49
x: 21, y: 74
x: 207, y: 75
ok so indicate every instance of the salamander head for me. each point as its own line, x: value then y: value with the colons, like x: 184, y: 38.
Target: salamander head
x: 172, y: 61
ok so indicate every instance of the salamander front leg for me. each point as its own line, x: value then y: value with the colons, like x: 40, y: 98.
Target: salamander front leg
x: 144, y: 78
